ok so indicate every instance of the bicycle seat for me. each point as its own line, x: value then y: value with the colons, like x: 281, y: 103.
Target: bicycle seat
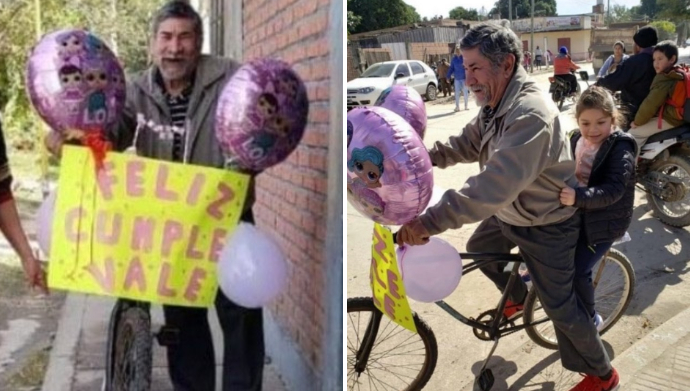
x: 681, y: 132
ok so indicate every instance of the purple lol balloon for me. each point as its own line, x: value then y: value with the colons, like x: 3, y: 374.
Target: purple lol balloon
x: 389, y: 173
x: 75, y: 82
x: 407, y: 103
x: 261, y: 114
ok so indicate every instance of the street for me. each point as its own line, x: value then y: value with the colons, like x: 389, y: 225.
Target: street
x: 658, y: 253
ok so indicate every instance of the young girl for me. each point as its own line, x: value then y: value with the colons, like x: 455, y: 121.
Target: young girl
x: 665, y: 57
x: 605, y: 172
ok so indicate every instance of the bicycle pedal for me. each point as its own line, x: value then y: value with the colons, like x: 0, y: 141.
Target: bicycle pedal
x: 485, y: 380
x: 167, y: 336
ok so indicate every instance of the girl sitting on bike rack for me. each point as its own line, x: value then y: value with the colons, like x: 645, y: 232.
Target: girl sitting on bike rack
x: 605, y: 172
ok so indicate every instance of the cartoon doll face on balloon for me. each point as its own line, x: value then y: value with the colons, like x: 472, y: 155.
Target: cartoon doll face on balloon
x: 70, y: 44
x: 367, y: 164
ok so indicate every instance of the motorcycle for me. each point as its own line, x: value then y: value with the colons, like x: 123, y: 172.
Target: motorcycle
x: 559, y: 89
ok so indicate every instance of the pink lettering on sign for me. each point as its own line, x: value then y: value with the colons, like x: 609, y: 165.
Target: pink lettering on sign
x: 389, y: 306
x: 163, y: 286
x: 192, y: 251
x: 106, y: 179
x: 142, y: 234
x: 162, y: 192
x: 105, y: 278
x: 192, y: 291
x: 172, y: 232
x: 225, y: 195
x: 380, y: 246
x: 73, y: 225
x: 108, y: 234
x: 195, y: 189
x: 135, y: 276
x: 375, y: 273
x: 217, y: 240
x: 135, y: 180
x: 392, y: 284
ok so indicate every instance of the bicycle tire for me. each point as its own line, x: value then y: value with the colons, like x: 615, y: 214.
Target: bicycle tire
x: 366, y: 304
x: 132, y: 369
x: 531, y: 303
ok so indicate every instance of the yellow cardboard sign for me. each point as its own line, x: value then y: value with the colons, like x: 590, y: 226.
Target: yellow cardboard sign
x: 142, y: 229
x: 386, y: 282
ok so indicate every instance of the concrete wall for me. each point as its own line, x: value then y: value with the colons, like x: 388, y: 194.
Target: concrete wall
x: 579, y: 42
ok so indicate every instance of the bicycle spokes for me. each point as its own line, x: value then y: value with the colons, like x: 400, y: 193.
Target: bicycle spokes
x: 394, y: 360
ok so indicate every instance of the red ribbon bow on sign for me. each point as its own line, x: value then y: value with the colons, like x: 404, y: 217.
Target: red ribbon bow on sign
x: 94, y: 139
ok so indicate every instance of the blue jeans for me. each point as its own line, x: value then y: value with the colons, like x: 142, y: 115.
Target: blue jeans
x: 460, y: 84
x: 586, y: 256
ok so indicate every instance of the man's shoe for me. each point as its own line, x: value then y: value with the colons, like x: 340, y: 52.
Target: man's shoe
x: 595, y: 383
x: 512, y: 310
x: 456, y: 110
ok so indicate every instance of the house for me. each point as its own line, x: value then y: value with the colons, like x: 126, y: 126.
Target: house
x: 553, y: 32
x: 299, y: 202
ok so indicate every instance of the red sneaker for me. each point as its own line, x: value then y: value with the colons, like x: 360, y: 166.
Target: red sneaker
x: 595, y: 383
x: 512, y: 310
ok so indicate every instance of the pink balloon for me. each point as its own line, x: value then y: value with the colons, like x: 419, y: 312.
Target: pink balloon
x: 252, y: 270
x: 389, y: 173
x: 430, y: 272
x: 407, y: 103
x: 261, y: 114
x: 74, y: 81
x: 44, y: 222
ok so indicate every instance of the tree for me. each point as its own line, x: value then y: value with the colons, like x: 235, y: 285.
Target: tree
x: 381, y: 14
x: 464, y: 14
x: 122, y: 25
x: 620, y: 13
x: 649, y: 8
x: 665, y: 29
x: 352, y: 21
x: 673, y: 10
x: 524, y: 8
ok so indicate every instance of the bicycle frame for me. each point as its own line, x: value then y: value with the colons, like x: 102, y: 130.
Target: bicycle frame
x: 494, y: 328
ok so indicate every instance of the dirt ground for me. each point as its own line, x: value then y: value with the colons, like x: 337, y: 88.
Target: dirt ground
x: 28, y: 321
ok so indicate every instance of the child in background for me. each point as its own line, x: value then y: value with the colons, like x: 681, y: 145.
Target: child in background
x: 605, y: 172
x: 665, y: 57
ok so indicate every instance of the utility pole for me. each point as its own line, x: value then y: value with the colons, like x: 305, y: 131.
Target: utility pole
x: 510, y: 10
x: 531, y: 45
x: 608, y: 13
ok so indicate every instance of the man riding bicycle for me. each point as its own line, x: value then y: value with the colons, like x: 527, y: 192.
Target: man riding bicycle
x: 526, y: 160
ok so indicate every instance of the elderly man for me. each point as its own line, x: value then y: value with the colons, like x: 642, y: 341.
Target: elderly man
x: 526, y: 160
x: 179, y: 91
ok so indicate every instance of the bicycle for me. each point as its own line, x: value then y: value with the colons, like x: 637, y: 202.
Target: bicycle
x: 365, y: 359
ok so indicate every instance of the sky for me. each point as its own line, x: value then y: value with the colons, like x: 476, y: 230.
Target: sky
x: 430, y: 8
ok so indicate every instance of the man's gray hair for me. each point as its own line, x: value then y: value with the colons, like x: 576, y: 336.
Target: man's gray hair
x: 180, y: 10
x: 495, y: 42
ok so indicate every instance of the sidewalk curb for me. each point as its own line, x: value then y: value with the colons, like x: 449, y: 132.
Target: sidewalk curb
x: 60, y: 372
x: 645, y: 351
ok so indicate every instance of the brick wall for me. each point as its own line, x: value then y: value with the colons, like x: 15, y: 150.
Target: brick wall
x: 291, y: 197
x: 418, y: 49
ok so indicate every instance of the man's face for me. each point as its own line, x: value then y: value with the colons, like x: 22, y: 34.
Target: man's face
x: 175, y: 48
x: 486, y: 82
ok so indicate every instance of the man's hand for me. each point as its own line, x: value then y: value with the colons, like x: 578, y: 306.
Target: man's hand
x: 413, y: 233
x: 54, y: 141
x: 568, y: 196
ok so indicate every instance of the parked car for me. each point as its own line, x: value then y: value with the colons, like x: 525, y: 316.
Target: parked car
x: 366, y: 89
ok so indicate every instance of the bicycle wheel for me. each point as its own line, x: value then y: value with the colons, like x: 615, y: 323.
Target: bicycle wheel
x: 133, y: 356
x: 400, y: 360
x: 614, y: 283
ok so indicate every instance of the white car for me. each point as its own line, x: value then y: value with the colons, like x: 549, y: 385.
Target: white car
x: 366, y: 89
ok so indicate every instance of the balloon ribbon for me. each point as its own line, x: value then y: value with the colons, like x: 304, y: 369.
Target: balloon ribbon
x: 96, y: 142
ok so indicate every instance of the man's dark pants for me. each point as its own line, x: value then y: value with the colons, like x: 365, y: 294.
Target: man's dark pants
x: 549, y: 253
x: 191, y: 360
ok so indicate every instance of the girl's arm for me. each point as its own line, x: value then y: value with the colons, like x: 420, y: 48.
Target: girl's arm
x: 621, y: 169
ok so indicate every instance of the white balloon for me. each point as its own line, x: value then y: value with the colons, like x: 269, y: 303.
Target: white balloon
x: 252, y: 270
x: 430, y: 272
x: 44, y: 222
